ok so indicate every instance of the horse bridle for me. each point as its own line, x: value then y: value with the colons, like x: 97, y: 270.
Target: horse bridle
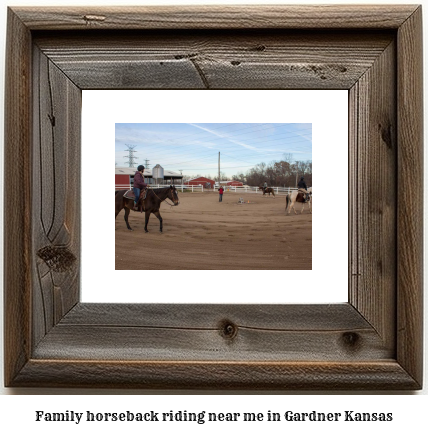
x: 162, y: 200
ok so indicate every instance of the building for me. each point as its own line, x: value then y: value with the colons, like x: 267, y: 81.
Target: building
x: 232, y: 183
x: 124, y: 177
x: 201, y: 181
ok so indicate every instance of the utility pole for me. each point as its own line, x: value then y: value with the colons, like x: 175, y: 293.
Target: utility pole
x: 219, y: 169
x: 131, y: 156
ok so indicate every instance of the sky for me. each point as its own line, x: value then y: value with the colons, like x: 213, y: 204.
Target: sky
x: 193, y: 148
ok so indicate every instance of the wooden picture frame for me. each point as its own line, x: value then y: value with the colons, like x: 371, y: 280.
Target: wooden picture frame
x: 372, y: 342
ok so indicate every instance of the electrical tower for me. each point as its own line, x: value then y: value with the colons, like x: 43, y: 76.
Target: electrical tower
x: 131, y: 156
x: 146, y: 162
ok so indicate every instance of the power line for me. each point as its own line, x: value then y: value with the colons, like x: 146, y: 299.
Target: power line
x: 262, y: 140
x: 131, y: 156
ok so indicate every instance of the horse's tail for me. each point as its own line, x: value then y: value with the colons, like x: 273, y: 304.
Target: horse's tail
x: 287, y: 201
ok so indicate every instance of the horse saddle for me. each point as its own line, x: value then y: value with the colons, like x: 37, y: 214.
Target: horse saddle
x: 131, y: 195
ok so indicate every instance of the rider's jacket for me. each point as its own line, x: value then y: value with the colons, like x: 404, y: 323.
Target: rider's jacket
x: 139, y: 181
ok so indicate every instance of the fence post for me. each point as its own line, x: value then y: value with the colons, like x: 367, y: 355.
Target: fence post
x: 202, y: 188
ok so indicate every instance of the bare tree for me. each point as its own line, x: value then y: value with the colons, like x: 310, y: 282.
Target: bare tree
x: 285, y: 172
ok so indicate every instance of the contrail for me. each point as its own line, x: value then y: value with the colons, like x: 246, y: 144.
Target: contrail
x: 244, y: 145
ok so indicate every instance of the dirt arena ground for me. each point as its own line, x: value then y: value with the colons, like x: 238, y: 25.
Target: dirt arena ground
x: 203, y: 234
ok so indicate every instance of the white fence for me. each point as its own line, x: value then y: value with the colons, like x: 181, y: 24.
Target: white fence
x: 280, y: 191
x: 248, y: 189
x: 181, y: 188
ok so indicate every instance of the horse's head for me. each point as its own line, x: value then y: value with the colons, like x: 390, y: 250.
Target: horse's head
x: 172, y: 195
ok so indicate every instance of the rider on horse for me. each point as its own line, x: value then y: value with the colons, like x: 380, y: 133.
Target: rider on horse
x: 265, y: 186
x: 139, y: 185
x: 303, y: 188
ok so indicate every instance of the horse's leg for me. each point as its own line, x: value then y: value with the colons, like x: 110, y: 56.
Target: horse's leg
x: 118, y: 207
x: 146, y: 220
x: 294, y: 208
x: 126, y: 218
x: 157, y: 214
x: 118, y: 210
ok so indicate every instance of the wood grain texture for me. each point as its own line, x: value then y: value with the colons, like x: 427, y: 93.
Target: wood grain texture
x: 372, y: 342
x: 199, y: 332
x: 56, y: 187
x: 373, y: 178
x: 217, y: 17
x: 216, y: 60
x: 410, y: 193
x: 216, y: 375
x: 17, y: 200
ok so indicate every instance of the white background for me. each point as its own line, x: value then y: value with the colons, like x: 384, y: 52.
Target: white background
x: 327, y: 282
x: 17, y: 412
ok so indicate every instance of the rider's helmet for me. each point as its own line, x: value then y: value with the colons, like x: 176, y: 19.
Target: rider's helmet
x: 140, y: 168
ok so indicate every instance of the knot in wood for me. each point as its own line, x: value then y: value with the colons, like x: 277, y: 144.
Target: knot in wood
x: 58, y: 259
x: 351, y: 340
x: 94, y: 18
x: 227, y: 329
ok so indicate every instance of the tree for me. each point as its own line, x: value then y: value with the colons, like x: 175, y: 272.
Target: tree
x: 239, y: 177
x: 285, y: 172
x: 223, y: 177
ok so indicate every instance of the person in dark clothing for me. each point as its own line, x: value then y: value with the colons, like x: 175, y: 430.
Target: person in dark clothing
x: 303, y: 188
x: 139, y: 185
x: 220, y: 190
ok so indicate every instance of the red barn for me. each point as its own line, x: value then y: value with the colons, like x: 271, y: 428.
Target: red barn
x: 122, y: 181
x: 200, y: 181
x: 232, y: 183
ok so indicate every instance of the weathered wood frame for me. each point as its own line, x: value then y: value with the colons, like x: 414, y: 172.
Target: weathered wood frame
x: 372, y: 342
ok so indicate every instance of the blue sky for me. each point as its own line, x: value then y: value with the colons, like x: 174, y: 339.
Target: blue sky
x: 193, y: 148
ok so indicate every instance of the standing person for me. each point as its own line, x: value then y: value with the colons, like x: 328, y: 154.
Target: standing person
x: 303, y: 188
x: 220, y: 190
x: 139, y: 185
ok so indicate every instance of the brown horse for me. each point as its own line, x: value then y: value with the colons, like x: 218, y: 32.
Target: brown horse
x: 151, y: 203
x: 267, y: 190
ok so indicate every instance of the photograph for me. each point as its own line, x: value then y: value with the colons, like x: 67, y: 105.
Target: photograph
x: 224, y: 196
x: 213, y: 115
